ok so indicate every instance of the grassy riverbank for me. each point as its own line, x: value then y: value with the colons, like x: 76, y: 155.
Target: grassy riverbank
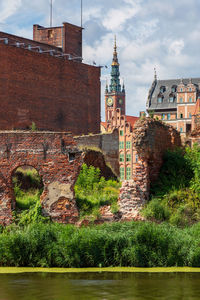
x: 18, y: 270
x: 33, y: 241
x: 133, y: 244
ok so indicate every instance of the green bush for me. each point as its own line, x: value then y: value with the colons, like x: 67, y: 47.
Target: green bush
x: 176, y: 194
x: 176, y: 173
x: 157, y: 210
x: 93, y: 191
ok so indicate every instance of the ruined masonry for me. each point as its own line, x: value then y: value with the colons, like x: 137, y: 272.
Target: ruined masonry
x: 58, y: 159
x: 151, y: 139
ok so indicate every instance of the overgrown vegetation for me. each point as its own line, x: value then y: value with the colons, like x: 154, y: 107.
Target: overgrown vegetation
x: 140, y: 244
x: 93, y: 191
x: 27, y: 189
x: 175, y: 197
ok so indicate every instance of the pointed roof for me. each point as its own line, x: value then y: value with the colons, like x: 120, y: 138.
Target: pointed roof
x: 115, y: 85
x: 115, y: 58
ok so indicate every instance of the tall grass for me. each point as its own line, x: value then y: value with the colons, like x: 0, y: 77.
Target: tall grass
x: 136, y: 244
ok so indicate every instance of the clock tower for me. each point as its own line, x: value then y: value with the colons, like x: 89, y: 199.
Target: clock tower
x: 114, y: 94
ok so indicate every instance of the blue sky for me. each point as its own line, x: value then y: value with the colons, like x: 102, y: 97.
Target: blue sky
x: 150, y: 33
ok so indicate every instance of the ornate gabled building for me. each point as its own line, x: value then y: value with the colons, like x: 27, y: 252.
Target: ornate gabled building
x: 116, y: 118
x: 174, y: 102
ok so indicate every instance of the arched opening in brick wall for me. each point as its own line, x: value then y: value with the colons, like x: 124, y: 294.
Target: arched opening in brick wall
x: 96, y: 159
x: 27, y: 187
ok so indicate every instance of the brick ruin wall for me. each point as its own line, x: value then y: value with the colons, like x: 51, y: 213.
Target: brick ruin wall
x: 56, y: 158
x: 54, y: 93
x: 151, y: 139
x: 101, y: 151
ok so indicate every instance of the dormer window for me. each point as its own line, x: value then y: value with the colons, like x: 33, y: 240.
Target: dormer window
x: 162, y: 89
x: 181, y: 89
x: 171, y: 99
x: 160, y: 99
x: 174, y: 89
x: 190, y: 89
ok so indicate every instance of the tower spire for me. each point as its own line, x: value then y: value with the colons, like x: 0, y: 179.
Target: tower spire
x: 115, y: 81
x: 115, y: 58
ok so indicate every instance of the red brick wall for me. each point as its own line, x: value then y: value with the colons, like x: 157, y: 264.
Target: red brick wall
x: 55, y: 93
x: 73, y: 39
x: 48, y: 153
x: 68, y: 37
x: 13, y: 39
x: 51, y: 36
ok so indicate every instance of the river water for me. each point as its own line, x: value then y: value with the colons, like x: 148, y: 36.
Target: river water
x: 104, y: 286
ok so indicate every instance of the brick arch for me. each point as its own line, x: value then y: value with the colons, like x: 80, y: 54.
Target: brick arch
x: 56, y: 158
x: 13, y: 204
x: 96, y: 158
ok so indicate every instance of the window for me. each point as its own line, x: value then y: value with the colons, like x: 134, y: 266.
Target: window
x: 181, y: 129
x: 190, y: 89
x: 128, y: 157
x: 181, y: 116
x: 50, y: 33
x: 128, y: 173
x: 121, y: 145
x: 136, y: 158
x: 171, y: 99
x: 163, y: 116
x: 174, y: 89
x: 162, y: 89
x: 121, y: 133
x: 190, y: 99
x: 181, y: 100
x: 168, y: 116
x: 190, y: 115
x: 160, y: 99
x: 121, y: 173
x: 181, y: 89
x: 128, y: 145
x: 121, y: 157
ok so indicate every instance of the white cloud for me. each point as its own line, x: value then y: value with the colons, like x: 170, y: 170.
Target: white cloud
x: 8, y: 8
x: 116, y: 18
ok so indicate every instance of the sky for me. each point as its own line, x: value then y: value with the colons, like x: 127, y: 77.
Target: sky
x: 150, y: 34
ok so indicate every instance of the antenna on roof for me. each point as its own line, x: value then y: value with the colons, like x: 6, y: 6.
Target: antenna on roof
x: 51, y: 12
x: 81, y: 13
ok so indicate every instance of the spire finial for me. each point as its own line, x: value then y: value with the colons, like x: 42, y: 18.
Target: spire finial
x: 155, y: 74
x: 115, y: 45
x: 115, y: 58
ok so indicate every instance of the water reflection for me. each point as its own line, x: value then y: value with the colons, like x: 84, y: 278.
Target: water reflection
x: 104, y: 286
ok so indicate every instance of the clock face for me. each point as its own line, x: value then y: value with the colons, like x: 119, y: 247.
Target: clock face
x: 120, y: 101
x: 109, y: 101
